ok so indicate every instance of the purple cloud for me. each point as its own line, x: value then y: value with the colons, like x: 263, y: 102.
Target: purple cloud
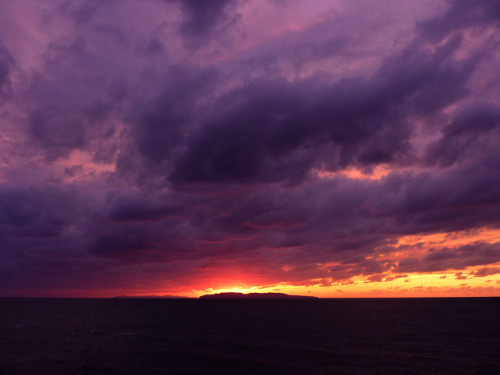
x: 161, y: 143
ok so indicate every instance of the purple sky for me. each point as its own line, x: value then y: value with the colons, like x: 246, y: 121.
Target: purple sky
x: 175, y: 147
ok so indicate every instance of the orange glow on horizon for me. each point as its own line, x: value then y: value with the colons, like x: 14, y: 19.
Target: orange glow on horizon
x: 425, y: 285
x: 478, y: 280
x: 450, y: 283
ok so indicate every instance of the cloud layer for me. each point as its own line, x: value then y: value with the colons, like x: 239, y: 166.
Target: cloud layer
x: 174, y: 146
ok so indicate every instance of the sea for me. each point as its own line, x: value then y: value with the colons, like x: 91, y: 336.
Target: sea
x: 190, y: 336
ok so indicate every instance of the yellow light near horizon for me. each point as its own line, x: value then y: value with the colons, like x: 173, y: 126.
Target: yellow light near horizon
x: 439, y: 284
x: 450, y: 282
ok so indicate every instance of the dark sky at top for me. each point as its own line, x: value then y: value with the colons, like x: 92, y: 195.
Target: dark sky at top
x: 168, y: 146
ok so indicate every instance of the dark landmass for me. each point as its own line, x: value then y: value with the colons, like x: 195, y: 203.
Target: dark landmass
x: 154, y: 296
x: 254, y: 296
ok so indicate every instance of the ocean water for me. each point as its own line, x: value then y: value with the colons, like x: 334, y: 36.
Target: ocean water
x: 327, y: 336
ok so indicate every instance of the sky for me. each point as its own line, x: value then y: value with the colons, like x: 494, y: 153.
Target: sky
x: 340, y: 148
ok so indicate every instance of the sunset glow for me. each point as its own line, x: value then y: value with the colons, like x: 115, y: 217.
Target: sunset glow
x: 172, y: 148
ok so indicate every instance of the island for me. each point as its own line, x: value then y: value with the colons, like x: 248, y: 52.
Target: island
x: 242, y: 296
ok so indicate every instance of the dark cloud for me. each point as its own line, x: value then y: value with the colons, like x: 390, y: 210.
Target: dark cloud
x: 81, y: 12
x: 57, y: 133
x: 486, y: 271
x: 375, y: 278
x: 277, y: 130
x: 266, y: 129
x: 251, y: 125
x: 458, y: 258
x: 461, y: 14
x: 395, y: 277
x: 313, y: 44
x: 450, y: 200
x: 35, y: 212
x: 472, y: 134
x: 120, y: 244
x: 161, y: 125
x: 202, y: 15
x: 68, y: 110
x: 131, y: 207
x: 40, y: 237
x: 6, y: 62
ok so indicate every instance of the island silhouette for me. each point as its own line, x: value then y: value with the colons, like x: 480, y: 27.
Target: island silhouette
x: 236, y: 295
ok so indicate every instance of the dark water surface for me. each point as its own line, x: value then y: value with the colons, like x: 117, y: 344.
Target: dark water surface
x: 328, y: 336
